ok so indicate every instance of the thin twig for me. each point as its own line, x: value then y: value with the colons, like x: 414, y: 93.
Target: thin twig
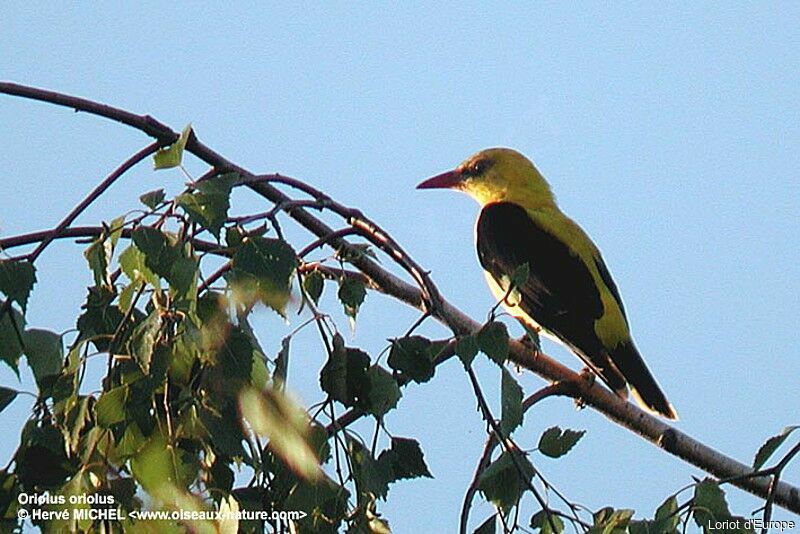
x: 507, y: 443
x: 483, y: 463
x: 77, y: 232
x: 337, y: 273
x: 773, y: 483
x: 368, y: 229
x: 92, y: 196
x: 213, y: 277
x: 145, y: 123
x: 82, y: 205
x: 338, y: 234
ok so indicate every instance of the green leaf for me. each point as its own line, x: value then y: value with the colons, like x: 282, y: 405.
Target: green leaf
x: 487, y: 527
x: 351, y: 295
x: 154, y: 466
x: 7, y: 396
x: 511, y: 403
x: 503, y: 483
x: 110, y: 407
x: 667, y: 517
x: 644, y: 526
x: 152, y: 199
x: 132, y: 261
x: 282, y: 362
x: 167, y: 256
x: 41, y: 459
x: 78, y: 485
x: 221, y: 477
x: 65, y: 388
x: 547, y: 523
x: 234, y: 362
x: 234, y: 237
x: 183, y: 276
x: 77, y: 417
x: 405, y: 459
x: 513, y: 284
x: 155, y: 246
x: 313, y: 283
x: 172, y: 155
x: 259, y: 374
x: 126, y: 294
x: 190, y: 426
x: 771, y: 445
x: 612, y: 521
x: 344, y: 376
x: 115, y: 230
x: 274, y: 415
x: 710, y: 511
x: 131, y: 442
x: 262, y: 269
x: 520, y: 276
x: 556, y: 442
x: 384, y: 393
x: 17, y: 278
x: 325, y: 502
x: 355, y: 252
x: 372, y: 477
x: 226, y: 432
x: 158, y: 250
x: 709, y: 504
x: 377, y: 525
x: 98, y: 256
x: 318, y: 439
x: 123, y: 490
x: 44, y: 352
x: 100, y: 320
x: 412, y: 358
x: 467, y: 349
x: 144, y: 338
x: 493, y: 341
x: 208, y: 205
x: 12, y: 324
x: 99, y: 253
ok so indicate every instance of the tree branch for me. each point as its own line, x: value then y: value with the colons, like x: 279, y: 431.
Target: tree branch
x: 426, y: 298
x: 145, y: 123
x: 89, y: 232
x: 92, y: 196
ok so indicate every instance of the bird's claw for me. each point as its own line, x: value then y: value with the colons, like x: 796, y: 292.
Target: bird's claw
x: 588, y: 375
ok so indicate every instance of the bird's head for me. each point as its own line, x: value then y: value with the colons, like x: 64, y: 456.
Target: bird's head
x: 495, y: 175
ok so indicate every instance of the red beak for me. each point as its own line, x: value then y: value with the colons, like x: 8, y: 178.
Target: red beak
x: 446, y: 180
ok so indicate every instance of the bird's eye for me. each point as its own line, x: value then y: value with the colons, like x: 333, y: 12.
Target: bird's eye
x: 478, y: 167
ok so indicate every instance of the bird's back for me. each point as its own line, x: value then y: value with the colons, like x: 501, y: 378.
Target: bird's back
x: 569, y: 292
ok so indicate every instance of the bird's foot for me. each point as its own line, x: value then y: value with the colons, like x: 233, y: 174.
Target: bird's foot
x: 531, y: 339
x: 588, y: 375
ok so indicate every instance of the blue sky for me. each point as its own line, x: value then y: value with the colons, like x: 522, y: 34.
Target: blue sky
x: 670, y: 134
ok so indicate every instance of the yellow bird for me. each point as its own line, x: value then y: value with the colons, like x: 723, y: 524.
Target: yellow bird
x: 569, y: 293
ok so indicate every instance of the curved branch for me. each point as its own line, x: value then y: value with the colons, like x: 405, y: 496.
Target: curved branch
x: 92, y: 196
x: 493, y: 440
x: 145, y: 123
x: 621, y: 412
x: 483, y: 463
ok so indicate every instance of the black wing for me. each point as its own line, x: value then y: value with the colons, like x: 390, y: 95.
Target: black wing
x: 560, y: 294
